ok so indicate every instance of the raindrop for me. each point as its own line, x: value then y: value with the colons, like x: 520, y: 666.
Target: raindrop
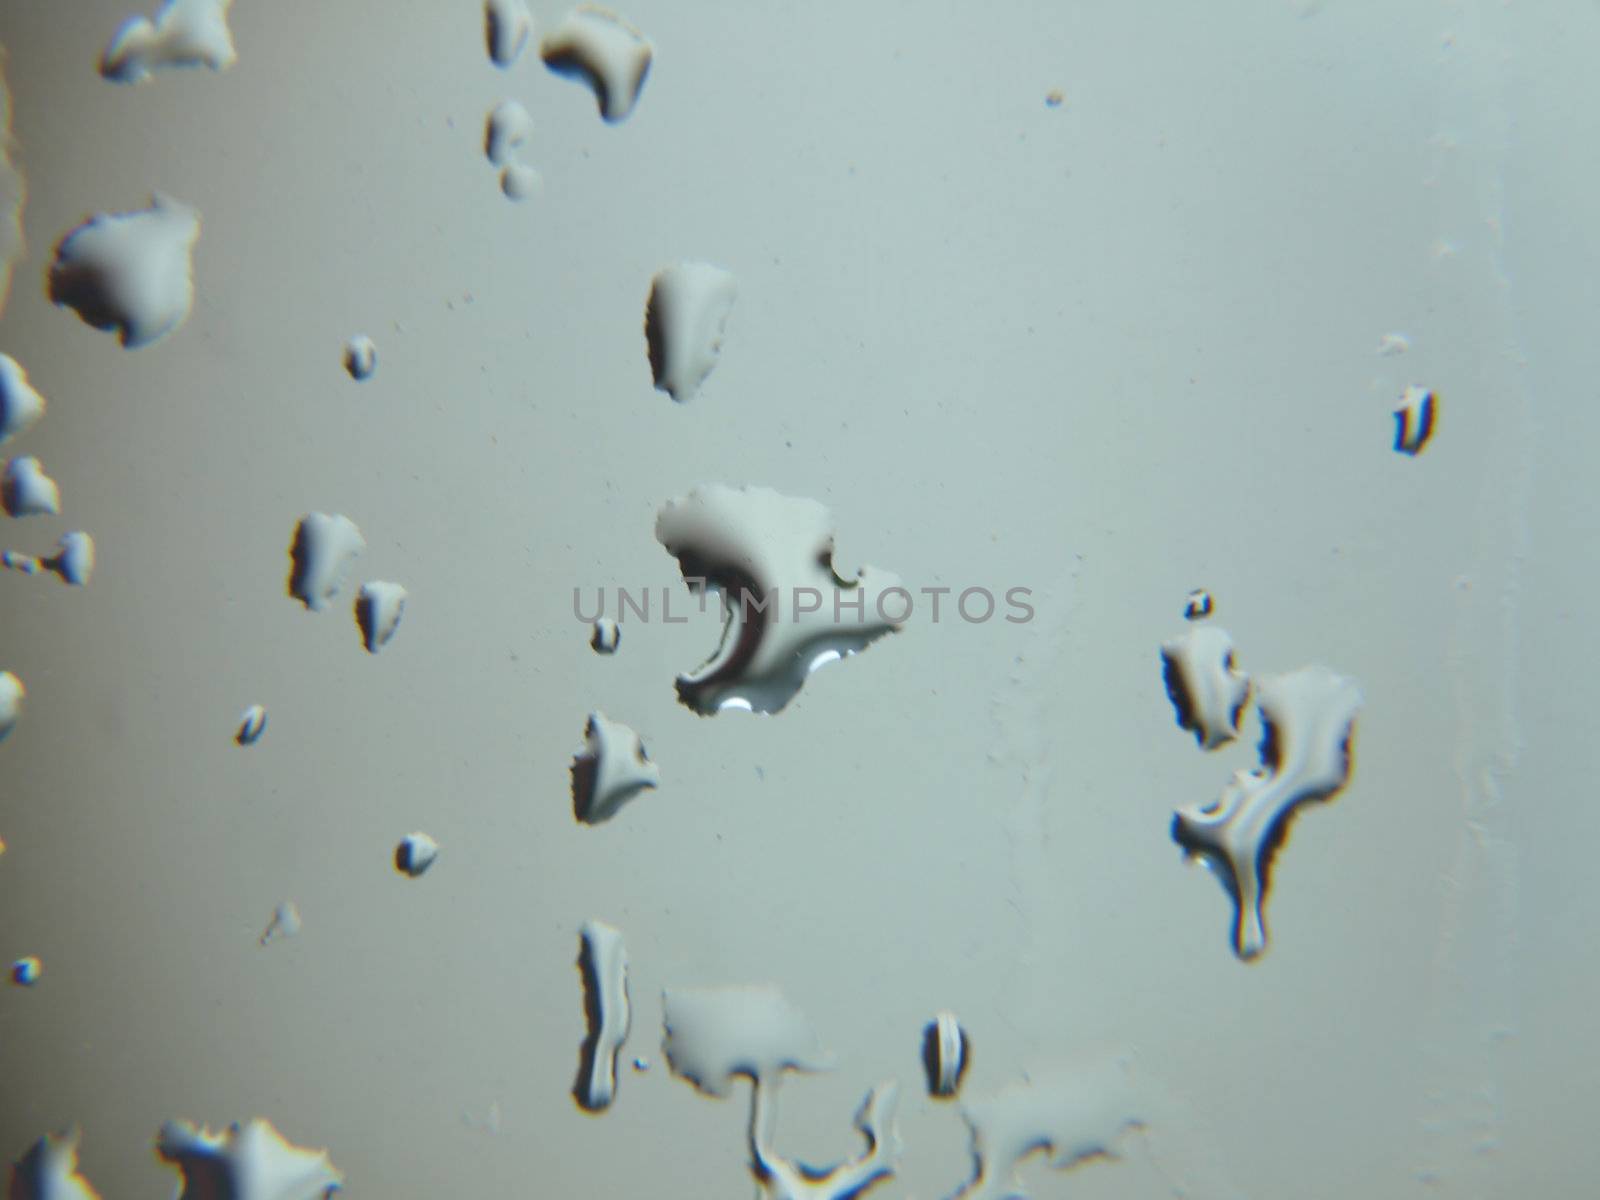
x: 607, y: 636
x: 252, y: 724
x: 415, y: 854
x: 598, y: 47
x: 20, y: 405
x: 603, y: 964
x: 130, y: 272
x: 25, y: 972
x: 27, y: 491
x: 1206, y: 690
x: 324, y: 547
x: 245, y: 1162
x: 379, y: 607
x: 185, y: 33
x: 1414, y: 420
x: 507, y: 27
x: 360, y: 357
x: 12, y: 693
x: 285, y: 923
x: 1198, y: 605
x: 612, y: 770
x: 684, y: 320
x: 946, y: 1054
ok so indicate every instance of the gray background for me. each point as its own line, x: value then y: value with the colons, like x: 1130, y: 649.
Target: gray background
x: 1110, y: 351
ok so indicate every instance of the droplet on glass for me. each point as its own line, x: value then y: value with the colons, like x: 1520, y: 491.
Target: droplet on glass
x: 285, y: 923
x: 73, y: 560
x: 1198, y: 605
x: 1414, y: 420
x: 603, y: 964
x: 12, y: 694
x: 507, y: 26
x: 1307, y: 721
x: 507, y: 130
x: 607, y: 636
x: 684, y: 321
x: 603, y: 50
x: 252, y: 724
x: 320, y: 556
x: 360, y: 357
x: 245, y: 1162
x: 27, y: 491
x: 946, y: 1054
x: 185, y: 33
x: 612, y: 769
x: 129, y: 272
x: 25, y: 972
x: 20, y: 405
x: 49, y: 1170
x: 379, y: 607
x: 415, y: 854
x: 1207, y: 692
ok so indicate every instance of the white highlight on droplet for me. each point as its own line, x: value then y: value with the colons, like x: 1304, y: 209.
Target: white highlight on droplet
x: 604, y: 961
x: 20, y: 405
x: 27, y: 491
x: 603, y: 50
x: 612, y: 770
x: 360, y: 357
x: 130, y: 272
x: 185, y: 33
x: 379, y: 607
x: 685, y: 318
x: 254, y: 1162
x: 508, y: 25
x: 320, y: 556
x: 12, y: 694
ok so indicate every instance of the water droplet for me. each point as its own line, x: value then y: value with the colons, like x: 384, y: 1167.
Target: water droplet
x: 507, y: 26
x: 508, y: 128
x: 185, y: 33
x: 1307, y: 720
x: 714, y: 1034
x: 379, y: 607
x: 130, y: 272
x: 249, y: 1162
x: 73, y: 560
x: 27, y: 491
x: 49, y: 1170
x: 285, y: 923
x: 607, y: 636
x: 641, y: 1064
x: 1197, y: 605
x: 1206, y: 690
x: 518, y: 181
x: 415, y: 854
x: 1414, y: 420
x: 20, y: 406
x: 945, y: 1054
x: 1075, y: 1115
x: 1055, y: 98
x: 12, y: 693
x: 612, y: 770
x: 252, y: 724
x: 684, y: 320
x: 1391, y: 344
x: 324, y: 547
x: 788, y: 1179
x: 360, y: 357
x: 25, y: 972
x: 598, y: 47
x: 603, y: 963
x: 786, y: 611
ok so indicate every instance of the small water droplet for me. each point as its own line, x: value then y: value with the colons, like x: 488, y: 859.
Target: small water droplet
x: 27, y: 491
x: 1414, y: 420
x: 285, y: 923
x: 20, y: 405
x: 607, y: 636
x: 612, y: 770
x: 415, y: 854
x: 507, y: 27
x: 360, y: 357
x: 25, y: 972
x: 600, y: 48
x: 379, y: 607
x: 324, y: 547
x: 252, y: 724
x: 684, y: 321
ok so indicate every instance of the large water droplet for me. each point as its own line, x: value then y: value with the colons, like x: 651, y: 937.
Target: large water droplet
x: 598, y: 47
x: 320, y: 556
x: 130, y: 272
x: 603, y: 963
x: 27, y: 491
x: 612, y: 770
x: 245, y: 1162
x: 185, y: 33
x: 20, y: 405
x: 507, y: 26
x: 684, y: 321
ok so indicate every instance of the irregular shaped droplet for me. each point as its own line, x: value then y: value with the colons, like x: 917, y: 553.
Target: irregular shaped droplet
x: 518, y: 181
x: 1198, y: 605
x: 360, y: 357
x: 716, y: 1034
x: 245, y: 1162
x: 252, y: 724
x: 185, y: 33
x: 25, y: 972
x: 130, y: 272
x: 603, y: 963
x: 27, y: 491
x: 1391, y: 344
x: 12, y: 694
x: 507, y: 27
x: 508, y: 129
x: 607, y: 636
x: 20, y: 406
x: 601, y: 49
x: 415, y: 854
x: 788, y: 1179
x: 320, y: 556
x: 49, y: 1171
x: 379, y: 607
x: 946, y: 1054
x: 1307, y: 722
x: 612, y: 770
x: 1074, y: 1115
x: 1206, y: 690
x: 73, y: 560
x: 1414, y: 420
x: 786, y: 611
x: 684, y: 320
x: 285, y: 923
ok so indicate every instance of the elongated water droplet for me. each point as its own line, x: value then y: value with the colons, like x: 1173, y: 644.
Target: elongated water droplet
x: 20, y: 405
x: 603, y: 964
x: 598, y: 47
x: 1207, y: 691
x: 684, y: 321
x: 612, y: 770
x: 252, y: 724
